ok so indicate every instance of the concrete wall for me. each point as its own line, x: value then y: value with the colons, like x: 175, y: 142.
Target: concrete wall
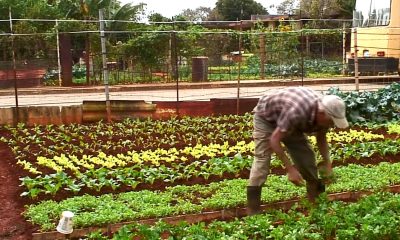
x: 92, y: 111
x: 41, y: 115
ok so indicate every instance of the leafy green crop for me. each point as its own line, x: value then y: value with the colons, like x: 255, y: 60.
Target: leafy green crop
x: 109, y: 208
x: 97, y: 172
x: 373, y: 217
x: 376, y: 106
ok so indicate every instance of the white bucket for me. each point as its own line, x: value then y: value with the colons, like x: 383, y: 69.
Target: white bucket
x: 65, y: 224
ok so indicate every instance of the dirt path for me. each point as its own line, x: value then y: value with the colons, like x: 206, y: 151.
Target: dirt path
x: 12, y: 224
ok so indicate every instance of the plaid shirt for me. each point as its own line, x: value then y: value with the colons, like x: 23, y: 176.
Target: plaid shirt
x: 290, y: 109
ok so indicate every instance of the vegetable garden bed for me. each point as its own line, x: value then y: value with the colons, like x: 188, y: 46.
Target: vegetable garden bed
x: 143, y: 169
x: 204, y: 217
x: 373, y: 217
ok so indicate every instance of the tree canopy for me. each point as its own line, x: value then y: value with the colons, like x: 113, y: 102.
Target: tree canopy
x: 198, y: 14
x: 232, y: 10
x: 346, y: 7
x: 287, y: 7
x: 318, y: 8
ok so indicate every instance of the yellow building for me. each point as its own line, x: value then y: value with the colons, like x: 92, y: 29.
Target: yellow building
x: 376, y: 35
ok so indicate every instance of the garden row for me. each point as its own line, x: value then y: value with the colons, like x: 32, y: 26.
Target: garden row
x: 48, y: 174
x: 373, y: 217
x: 176, y: 200
x: 74, y: 158
x: 141, y: 169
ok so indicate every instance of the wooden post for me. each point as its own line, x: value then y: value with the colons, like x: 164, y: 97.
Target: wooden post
x: 262, y: 56
x: 65, y: 59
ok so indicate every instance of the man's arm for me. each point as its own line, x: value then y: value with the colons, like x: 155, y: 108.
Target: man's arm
x: 323, y: 148
x: 275, y: 142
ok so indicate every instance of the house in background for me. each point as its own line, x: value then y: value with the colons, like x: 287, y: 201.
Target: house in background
x: 272, y: 21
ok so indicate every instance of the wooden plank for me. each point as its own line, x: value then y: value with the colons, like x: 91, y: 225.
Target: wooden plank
x: 54, y: 235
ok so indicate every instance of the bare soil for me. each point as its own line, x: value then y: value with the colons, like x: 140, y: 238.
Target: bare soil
x: 12, y: 224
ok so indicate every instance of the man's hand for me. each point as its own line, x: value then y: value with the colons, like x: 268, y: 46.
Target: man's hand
x: 294, y: 176
x: 325, y: 172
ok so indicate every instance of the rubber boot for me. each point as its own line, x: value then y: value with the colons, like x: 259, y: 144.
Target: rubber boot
x: 253, y: 200
x: 320, y: 187
x: 314, y: 189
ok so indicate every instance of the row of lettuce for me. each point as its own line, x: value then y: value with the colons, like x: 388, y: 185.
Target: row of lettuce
x: 223, y: 145
x: 373, y: 217
x: 127, y: 135
x: 129, y: 206
x: 69, y: 173
x: 186, y: 154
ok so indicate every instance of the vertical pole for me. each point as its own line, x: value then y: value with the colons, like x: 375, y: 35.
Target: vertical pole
x: 239, y: 67
x: 58, y: 55
x: 344, y: 48
x: 175, y: 71
x: 104, y: 57
x: 16, y: 111
x: 302, y: 50
x: 66, y: 59
x: 262, y: 55
x: 356, y: 77
x: 87, y: 58
x: 170, y: 54
x: 175, y: 57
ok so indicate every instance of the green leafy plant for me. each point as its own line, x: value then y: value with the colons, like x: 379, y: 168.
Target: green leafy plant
x: 113, y: 208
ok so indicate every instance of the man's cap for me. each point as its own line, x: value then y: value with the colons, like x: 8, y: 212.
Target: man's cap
x: 335, y: 107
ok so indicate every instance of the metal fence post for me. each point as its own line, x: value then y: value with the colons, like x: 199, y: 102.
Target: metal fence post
x: 16, y: 111
x: 239, y: 68
x: 104, y: 57
x: 58, y: 55
x: 356, y: 77
x: 344, y: 48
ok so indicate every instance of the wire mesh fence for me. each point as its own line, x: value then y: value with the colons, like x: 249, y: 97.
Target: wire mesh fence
x: 182, y: 57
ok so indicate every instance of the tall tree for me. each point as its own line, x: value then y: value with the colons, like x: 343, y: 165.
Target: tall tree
x: 346, y: 8
x: 157, y: 17
x: 327, y: 8
x: 214, y: 15
x: 287, y: 7
x: 89, y: 10
x: 198, y: 14
x: 125, y: 13
x: 149, y: 49
x: 26, y: 46
x: 232, y: 10
x: 318, y: 8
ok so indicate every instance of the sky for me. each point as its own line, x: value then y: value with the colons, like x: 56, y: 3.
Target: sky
x: 170, y: 8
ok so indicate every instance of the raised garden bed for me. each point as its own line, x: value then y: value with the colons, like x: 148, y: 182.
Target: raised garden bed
x: 68, y: 161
